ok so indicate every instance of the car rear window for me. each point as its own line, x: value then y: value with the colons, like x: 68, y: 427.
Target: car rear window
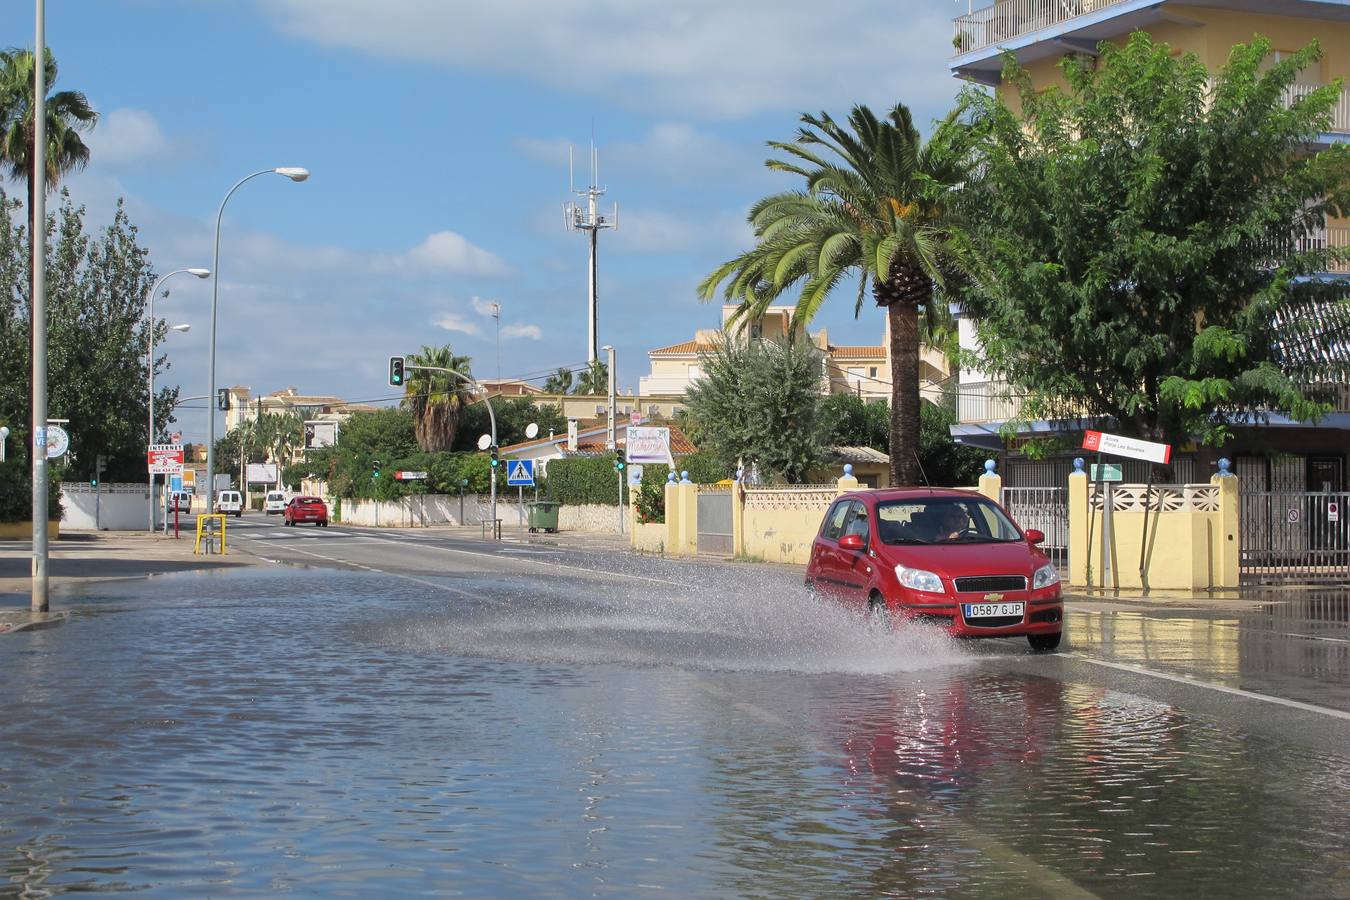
x: 309, y: 501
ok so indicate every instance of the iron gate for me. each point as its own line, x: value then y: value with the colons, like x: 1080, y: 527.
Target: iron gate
x: 1046, y: 509
x: 714, y: 521
x: 1294, y: 537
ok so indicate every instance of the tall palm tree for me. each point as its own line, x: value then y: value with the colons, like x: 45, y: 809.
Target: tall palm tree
x: 594, y: 381
x: 876, y: 205
x: 560, y: 382
x: 437, y: 399
x: 67, y: 114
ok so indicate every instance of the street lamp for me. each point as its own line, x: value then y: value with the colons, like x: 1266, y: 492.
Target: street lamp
x: 150, y: 367
x: 294, y: 173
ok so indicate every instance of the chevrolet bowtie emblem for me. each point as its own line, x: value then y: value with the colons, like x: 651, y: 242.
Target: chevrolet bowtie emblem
x: 993, y: 597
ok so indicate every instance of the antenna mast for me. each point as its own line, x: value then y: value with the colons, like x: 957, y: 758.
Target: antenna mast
x: 586, y: 218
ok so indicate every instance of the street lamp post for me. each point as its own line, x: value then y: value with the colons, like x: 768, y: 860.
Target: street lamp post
x: 492, y: 419
x: 38, y: 318
x: 613, y: 435
x: 150, y: 368
x: 294, y: 173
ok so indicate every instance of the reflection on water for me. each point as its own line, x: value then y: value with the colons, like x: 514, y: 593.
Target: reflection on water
x: 329, y: 733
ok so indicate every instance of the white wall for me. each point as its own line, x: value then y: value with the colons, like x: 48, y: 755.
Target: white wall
x: 119, y: 507
x: 419, y: 511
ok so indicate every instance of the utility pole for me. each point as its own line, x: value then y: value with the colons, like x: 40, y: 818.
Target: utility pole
x: 39, y: 318
x: 612, y: 436
x: 587, y: 219
x: 497, y: 320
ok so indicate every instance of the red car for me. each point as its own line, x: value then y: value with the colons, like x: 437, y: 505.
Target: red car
x: 306, y: 509
x: 950, y: 557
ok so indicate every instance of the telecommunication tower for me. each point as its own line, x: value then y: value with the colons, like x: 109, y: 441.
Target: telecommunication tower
x: 585, y: 218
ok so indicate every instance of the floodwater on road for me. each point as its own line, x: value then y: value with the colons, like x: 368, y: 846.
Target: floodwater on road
x: 326, y: 733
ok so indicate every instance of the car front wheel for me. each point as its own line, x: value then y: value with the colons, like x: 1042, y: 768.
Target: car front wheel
x: 878, y: 615
x: 1044, y: 643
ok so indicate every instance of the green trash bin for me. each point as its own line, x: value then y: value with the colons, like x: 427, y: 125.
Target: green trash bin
x: 543, y: 516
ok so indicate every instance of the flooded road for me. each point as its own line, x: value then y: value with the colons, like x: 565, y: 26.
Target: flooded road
x: 496, y: 733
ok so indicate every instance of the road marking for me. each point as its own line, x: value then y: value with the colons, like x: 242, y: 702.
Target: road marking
x: 540, y: 562
x: 1223, y: 689
x: 423, y: 581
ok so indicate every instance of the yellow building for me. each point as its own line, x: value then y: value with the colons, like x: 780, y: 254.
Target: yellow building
x: 861, y: 370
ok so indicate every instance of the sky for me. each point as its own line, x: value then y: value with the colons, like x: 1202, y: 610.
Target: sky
x: 437, y: 133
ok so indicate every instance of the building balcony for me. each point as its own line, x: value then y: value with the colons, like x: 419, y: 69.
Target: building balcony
x: 982, y: 402
x: 1009, y: 20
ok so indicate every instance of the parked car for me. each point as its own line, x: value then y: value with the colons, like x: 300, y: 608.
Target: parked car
x: 949, y: 557
x: 275, y: 504
x: 230, y: 502
x: 180, y: 502
x: 306, y: 509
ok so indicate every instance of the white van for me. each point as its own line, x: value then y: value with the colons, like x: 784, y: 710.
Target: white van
x: 180, y: 502
x: 275, y: 504
x: 230, y: 502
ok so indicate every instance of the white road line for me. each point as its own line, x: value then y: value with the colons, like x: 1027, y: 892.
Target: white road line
x: 423, y: 581
x: 1224, y: 689
x: 540, y: 562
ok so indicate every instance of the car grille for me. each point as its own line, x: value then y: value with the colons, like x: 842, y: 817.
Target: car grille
x: 995, y: 622
x: 980, y: 584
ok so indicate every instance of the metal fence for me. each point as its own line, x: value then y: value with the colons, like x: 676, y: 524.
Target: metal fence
x: 1046, y: 509
x: 714, y: 522
x: 1294, y: 537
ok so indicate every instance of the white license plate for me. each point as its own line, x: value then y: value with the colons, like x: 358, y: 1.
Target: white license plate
x: 992, y: 610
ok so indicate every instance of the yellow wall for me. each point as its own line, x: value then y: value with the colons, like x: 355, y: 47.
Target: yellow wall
x: 22, y: 531
x: 783, y: 534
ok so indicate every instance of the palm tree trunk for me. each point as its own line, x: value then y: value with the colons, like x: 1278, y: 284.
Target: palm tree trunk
x: 904, y: 443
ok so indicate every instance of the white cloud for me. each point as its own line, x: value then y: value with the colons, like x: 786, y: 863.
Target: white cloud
x: 451, y: 252
x: 485, y: 307
x: 125, y: 137
x: 533, y: 332
x: 708, y: 58
x: 453, y: 322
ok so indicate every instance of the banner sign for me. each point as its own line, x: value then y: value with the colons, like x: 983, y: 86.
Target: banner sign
x: 165, y: 459
x: 1116, y: 445
x: 401, y: 475
x: 649, y: 445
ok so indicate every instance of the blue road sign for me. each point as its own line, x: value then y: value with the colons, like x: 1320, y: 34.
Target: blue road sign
x: 520, y: 473
x: 175, y: 482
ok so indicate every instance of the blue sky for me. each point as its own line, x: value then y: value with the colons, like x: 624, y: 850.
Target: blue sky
x: 437, y: 133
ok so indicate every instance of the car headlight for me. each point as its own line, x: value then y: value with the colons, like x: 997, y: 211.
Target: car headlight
x: 919, y: 580
x: 1046, y: 576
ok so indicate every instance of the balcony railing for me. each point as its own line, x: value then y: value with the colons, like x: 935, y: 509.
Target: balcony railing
x: 1009, y: 19
x: 986, y: 401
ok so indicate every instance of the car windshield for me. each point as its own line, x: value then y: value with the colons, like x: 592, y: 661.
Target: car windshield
x: 944, y: 520
x: 308, y: 501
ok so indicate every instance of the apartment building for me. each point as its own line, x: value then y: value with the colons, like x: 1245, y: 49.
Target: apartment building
x: 1282, y: 454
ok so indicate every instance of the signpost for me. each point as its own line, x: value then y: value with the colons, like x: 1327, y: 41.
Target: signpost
x: 165, y: 459
x: 520, y: 473
x: 1333, y: 511
x: 1132, y: 448
x: 1107, y: 472
x: 401, y: 475
x: 58, y: 442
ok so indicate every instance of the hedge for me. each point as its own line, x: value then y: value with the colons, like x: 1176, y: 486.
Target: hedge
x: 16, y: 491
x: 583, y: 480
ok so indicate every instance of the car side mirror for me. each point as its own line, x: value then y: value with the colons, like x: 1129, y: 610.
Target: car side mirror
x: 852, y: 542
x: 1035, y: 536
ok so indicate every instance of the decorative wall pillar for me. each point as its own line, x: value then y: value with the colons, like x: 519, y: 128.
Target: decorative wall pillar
x: 1079, y: 516
x: 847, y: 482
x: 1227, y: 541
x: 991, y: 484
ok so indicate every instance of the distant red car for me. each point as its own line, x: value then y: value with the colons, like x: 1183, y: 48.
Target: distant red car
x: 950, y: 557
x: 306, y: 509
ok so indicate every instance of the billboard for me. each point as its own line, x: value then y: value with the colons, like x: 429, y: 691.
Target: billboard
x: 262, y: 473
x: 320, y: 433
x: 648, y: 445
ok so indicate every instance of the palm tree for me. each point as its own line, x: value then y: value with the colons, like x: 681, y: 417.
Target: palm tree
x: 560, y: 382
x: 437, y: 398
x: 67, y: 114
x: 875, y: 205
x: 594, y: 381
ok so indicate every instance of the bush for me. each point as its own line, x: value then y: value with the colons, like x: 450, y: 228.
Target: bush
x: 585, y: 480
x: 703, y: 468
x: 16, y: 492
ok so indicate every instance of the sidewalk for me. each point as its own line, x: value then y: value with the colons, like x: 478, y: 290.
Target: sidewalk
x: 79, y: 558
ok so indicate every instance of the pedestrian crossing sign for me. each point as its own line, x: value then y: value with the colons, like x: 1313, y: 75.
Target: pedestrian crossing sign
x: 520, y: 473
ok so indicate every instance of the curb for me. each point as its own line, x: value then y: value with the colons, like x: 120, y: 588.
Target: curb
x: 43, y: 620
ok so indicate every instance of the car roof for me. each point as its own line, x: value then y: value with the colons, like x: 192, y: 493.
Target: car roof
x: 912, y: 493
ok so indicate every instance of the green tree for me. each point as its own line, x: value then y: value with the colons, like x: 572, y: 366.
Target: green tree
x: 846, y: 420
x: 560, y: 382
x: 594, y: 380
x: 514, y: 414
x: 877, y: 203
x: 67, y: 113
x: 756, y: 404
x: 1138, y: 238
x: 437, y: 399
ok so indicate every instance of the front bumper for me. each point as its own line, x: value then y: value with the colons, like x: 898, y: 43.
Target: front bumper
x: 1042, y: 613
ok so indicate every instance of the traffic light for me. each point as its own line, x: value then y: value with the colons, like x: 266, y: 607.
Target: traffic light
x: 100, y: 463
x: 496, y: 460
x: 374, y: 468
x: 620, y: 463
x: 396, y: 371
x: 223, y: 399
